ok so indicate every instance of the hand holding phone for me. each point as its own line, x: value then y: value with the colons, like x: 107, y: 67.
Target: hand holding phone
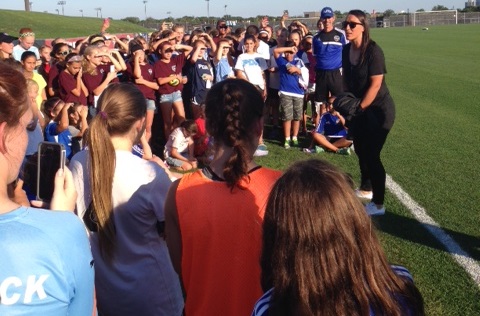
x: 51, y: 158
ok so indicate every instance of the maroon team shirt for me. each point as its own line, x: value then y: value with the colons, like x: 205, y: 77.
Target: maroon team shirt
x: 147, y: 74
x: 67, y: 83
x: 53, y: 77
x: 162, y: 70
x: 93, y: 81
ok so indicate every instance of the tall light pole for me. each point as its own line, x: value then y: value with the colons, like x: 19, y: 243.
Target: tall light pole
x: 81, y: 11
x: 225, y: 10
x: 99, y: 10
x: 58, y: 11
x: 27, y: 5
x: 62, y: 3
x: 208, y: 11
x: 30, y: 4
x: 145, y: 4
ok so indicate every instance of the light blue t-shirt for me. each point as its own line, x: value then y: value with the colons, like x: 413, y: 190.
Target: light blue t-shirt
x: 46, y: 264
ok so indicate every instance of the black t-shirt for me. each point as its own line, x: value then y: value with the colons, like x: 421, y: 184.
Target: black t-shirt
x: 357, y: 81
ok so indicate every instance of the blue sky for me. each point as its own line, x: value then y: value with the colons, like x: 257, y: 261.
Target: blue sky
x: 158, y: 9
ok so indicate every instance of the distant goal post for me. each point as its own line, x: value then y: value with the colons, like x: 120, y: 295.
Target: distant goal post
x: 424, y: 18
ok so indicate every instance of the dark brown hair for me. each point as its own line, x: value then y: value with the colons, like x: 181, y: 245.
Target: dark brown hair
x: 362, y: 17
x: 232, y: 107
x: 320, y: 252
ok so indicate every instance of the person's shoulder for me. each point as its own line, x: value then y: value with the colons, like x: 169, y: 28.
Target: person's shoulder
x: 56, y: 224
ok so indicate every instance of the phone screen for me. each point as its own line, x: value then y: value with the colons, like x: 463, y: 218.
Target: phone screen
x: 51, y: 157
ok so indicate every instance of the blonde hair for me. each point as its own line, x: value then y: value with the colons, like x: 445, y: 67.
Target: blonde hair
x: 86, y: 65
x: 120, y: 106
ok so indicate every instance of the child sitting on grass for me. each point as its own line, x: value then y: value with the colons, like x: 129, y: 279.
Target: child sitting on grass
x: 178, y: 151
x: 331, y: 134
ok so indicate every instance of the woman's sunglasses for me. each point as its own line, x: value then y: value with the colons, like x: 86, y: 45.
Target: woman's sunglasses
x: 64, y: 53
x: 352, y: 25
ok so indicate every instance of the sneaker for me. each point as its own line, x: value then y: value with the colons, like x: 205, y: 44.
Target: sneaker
x: 309, y: 150
x: 261, y: 151
x: 344, y: 151
x: 319, y: 149
x: 295, y: 141
x: 364, y: 195
x: 372, y: 209
x: 286, y: 145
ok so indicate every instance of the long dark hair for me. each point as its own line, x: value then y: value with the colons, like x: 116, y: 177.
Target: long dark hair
x: 320, y: 253
x: 366, y: 41
x: 232, y: 107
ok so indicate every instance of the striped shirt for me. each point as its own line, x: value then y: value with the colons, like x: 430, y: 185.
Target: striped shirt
x: 263, y: 304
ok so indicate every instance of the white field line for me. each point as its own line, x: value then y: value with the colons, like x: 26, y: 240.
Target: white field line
x: 462, y: 257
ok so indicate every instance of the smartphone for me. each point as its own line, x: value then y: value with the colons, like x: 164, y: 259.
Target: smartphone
x: 51, y: 157
x: 112, y: 68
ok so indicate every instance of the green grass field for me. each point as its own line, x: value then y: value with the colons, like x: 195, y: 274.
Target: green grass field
x: 433, y: 153
x: 52, y: 25
x: 432, y: 150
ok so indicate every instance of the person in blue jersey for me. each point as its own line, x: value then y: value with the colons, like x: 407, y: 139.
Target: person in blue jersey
x: 291, y: 69
x: 46, y: 263
x: 330, y: 133
x: 56, y: 130
x: 327, y: 48
x: 320, y: 255
x: 364, y: 75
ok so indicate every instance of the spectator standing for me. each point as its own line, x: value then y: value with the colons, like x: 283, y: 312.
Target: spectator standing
x: 364, y: 65
x: 121, y: 199
x: 320, y: 254
x: 6, y: 45
x: 26, y: 41
x: 220, y: 208
x: 327, y: 48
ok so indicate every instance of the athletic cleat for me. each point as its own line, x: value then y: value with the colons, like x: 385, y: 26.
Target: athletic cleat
x: 261, y: 151
x: 319, y: 149
x: 344, y: 151
x: 295, y: 141
x: 309, y: 150
x: 372, y: 209
x: 286, y: 145
x: 364, y: 195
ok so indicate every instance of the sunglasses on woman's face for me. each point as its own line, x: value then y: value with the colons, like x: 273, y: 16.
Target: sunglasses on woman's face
x: 352, y: 25
x: 64, y: 53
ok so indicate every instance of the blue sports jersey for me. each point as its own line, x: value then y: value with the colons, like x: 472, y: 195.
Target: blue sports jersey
x: 327, y: 49
x: 64, y: 138
x: 289, y: 82
x: 330, y: 126
x: 46, y: 264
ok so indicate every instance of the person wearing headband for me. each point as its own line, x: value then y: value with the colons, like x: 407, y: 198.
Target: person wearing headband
x: 71, y: 86
x: 26, y: 41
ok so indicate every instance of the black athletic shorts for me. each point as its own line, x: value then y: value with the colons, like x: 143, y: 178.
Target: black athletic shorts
x: 328, y: 83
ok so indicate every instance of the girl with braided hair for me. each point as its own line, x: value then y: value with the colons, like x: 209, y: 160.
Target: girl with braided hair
x: 214, y: 216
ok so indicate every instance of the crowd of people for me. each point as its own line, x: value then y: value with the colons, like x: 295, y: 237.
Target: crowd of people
x: 227, y: 236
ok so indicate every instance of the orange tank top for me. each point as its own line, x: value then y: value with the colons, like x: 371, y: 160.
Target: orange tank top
x: 221, y: 242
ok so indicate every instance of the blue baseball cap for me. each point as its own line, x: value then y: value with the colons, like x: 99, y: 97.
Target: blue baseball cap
x: 326, y: 12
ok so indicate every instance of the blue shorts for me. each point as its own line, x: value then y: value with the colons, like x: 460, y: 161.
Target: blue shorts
x: 151, y: 105
x: 171, y: 97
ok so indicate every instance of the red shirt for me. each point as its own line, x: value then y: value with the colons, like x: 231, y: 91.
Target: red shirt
x: 147, y: 74
x: 162, y: 70
x: 67, y: 83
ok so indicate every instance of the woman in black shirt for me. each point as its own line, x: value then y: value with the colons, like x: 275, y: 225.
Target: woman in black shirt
x: 364, y: 75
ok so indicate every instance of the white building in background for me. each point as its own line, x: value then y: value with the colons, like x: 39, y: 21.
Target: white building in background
x: 471, y: 3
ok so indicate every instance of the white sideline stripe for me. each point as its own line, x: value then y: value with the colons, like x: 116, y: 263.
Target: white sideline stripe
x: 462, y: 257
